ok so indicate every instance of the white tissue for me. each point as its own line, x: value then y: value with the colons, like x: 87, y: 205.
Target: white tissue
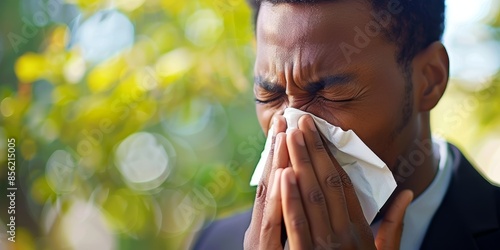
x: 370, y: 176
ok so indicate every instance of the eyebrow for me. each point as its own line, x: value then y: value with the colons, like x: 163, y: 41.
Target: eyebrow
x: 268, y: 86
x: 312, y: 87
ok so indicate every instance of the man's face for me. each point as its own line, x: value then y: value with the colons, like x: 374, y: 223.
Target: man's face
x: 300, y: 64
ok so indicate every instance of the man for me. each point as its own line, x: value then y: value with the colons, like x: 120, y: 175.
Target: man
x: 376, y: 67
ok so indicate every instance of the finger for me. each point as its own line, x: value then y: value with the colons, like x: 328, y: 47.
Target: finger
x: 391, y: 228
x: 279, y: 126
x: 270, y: 235
x: 297, y: 226
x: 313, y: 197
x: 280, y: 158
x: 280, y: 161
x: 356, y: 214
x: 253, y: 232
x: 326, y: 174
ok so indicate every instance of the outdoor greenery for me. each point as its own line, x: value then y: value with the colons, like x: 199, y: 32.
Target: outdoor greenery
x: 139, y: 143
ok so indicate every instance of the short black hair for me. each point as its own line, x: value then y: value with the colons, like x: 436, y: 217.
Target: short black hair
x: 416, y: 26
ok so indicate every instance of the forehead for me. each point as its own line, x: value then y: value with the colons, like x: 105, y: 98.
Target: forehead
x: 288, y: 23
x: 311, y: 35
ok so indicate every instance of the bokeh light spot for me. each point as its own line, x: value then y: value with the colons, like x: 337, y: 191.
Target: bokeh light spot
x: 40, y: 190
x: 60, y: 37
x: 29, y: 67
x: 204, y: 28
x: 7, y: 106
x: 144, y: 160
x: 129, y: 5
x: 186, y: 211
x: 85, y: 228
x: 49, y: 130
x: 174, y: 63
x: 465, y: 11
x: 74, y: 69
x: 60, y: 171
x: 104, y: 34
x: 489, y: 157
x: 28, y: 149
x: 199, y: 120
x: 103, y: 76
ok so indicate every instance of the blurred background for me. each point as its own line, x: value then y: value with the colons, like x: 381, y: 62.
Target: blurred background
x: 134, y: 119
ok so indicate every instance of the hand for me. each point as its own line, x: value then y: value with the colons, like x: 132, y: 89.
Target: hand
x: 319, y: 204
x: 264, y: 231
x: 317, y: 214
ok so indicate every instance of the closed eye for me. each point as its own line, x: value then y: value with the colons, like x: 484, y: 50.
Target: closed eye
x: 335, y: 100
x: 259, y: 101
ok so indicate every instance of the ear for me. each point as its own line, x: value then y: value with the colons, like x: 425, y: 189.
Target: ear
x: 430, y: 75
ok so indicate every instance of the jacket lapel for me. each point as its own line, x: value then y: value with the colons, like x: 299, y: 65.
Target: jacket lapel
x: 468, y: 210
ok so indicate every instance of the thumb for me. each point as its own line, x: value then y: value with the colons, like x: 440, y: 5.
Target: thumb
x: 391, y: 228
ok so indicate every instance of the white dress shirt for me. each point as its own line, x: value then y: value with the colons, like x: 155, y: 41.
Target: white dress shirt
x: 420, y: 212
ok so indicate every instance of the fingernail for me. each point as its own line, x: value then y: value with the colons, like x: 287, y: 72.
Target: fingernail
x: 300, y: 139
x: 311, y: 124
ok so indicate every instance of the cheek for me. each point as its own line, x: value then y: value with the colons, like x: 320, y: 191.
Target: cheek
x: 377, y: 125
x: 374, y: 118
x: 379, y: 129
x: 264, y: 115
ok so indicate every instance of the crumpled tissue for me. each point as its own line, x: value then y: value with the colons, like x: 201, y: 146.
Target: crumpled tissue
x: 370, y: 176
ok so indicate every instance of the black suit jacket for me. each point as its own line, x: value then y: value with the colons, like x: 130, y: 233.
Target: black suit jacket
x: 468, y: 217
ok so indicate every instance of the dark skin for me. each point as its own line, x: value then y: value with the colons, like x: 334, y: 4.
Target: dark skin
x: 299, y: 64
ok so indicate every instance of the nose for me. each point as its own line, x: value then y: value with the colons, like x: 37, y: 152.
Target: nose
x: 297, y: 97
x: 301, y: 102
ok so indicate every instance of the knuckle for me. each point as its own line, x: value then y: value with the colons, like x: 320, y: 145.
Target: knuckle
x: 327, y: 242
x: 304, y: 159
x: 346, y: 181
x: 316, y: 196
x: 318, y: 145
x: 293, y: 197
x: 273, y: 198
x: 333, y: 180
x: 261, y: 192
x: 268, y: 225
x: 299, y: 223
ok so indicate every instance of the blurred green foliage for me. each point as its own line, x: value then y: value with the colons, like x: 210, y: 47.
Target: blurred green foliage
x: 183, y: 86
x: 189, y: 60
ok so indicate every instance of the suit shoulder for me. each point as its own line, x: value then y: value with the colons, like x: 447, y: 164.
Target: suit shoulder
x: 227, y: 233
